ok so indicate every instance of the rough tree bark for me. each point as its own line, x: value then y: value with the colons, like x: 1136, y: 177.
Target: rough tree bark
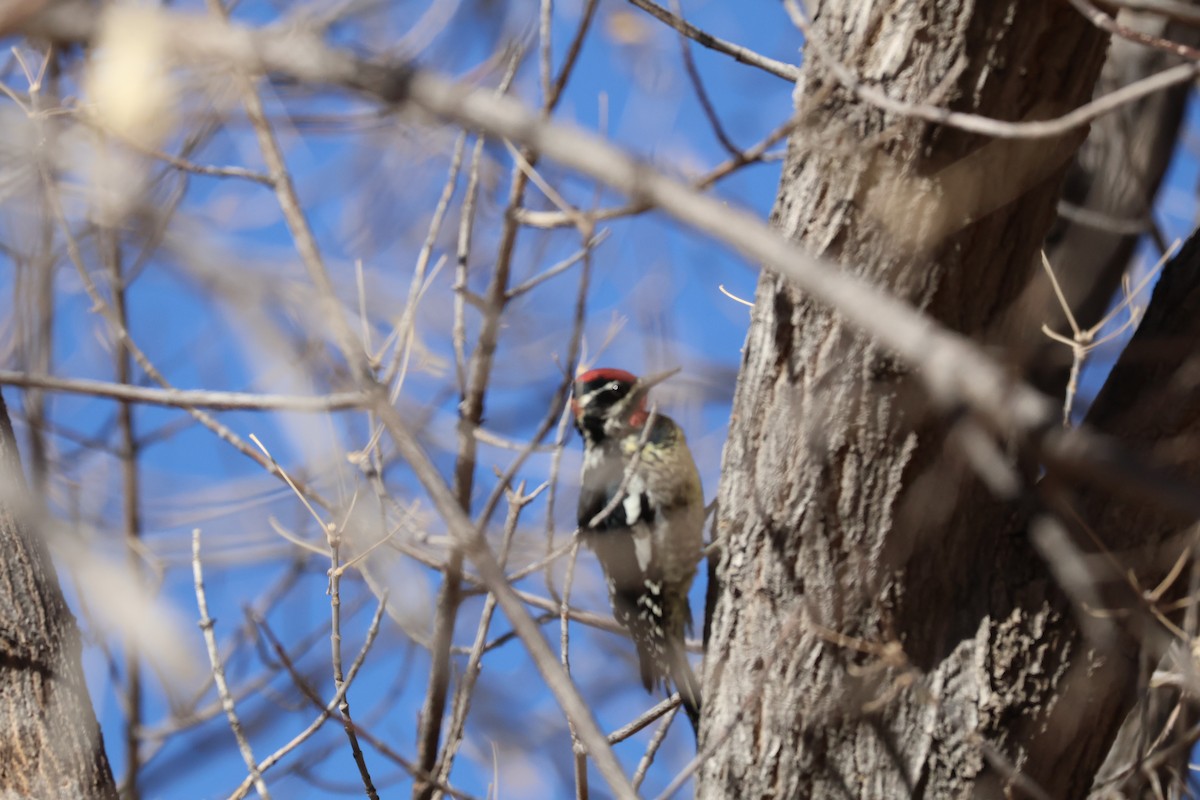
x: 883, y: 631
x: 50, y: 745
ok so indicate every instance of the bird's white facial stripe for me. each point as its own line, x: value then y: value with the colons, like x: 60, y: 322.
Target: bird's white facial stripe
x: 590, y: 397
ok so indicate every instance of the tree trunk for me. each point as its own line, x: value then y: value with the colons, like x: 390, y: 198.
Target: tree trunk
x: 881, y: 631
x: 51, y: 742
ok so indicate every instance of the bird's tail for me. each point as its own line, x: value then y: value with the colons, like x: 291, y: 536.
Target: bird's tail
x: 687, y: 685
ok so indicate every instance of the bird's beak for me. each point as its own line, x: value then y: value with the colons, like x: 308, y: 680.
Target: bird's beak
x: 646, y: 383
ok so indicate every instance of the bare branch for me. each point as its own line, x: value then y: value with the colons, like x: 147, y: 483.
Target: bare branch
x: 186, y: 398
x: 1172, y: 9
x: 741, y: 54
x: 1106, y: 23
x: 218, y: 672
x: 706, y: 104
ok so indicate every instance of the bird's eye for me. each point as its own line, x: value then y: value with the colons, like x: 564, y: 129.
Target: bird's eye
x: 614, y: 387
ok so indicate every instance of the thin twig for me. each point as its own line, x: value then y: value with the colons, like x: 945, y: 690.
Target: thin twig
x: 600, y: 621
x: 185, y: 398
x: 1180, y: 10
x: 218, y: 673
x: 740, y: 54
x: 466, y: 226
x: 660, y: 735
x: 335, y: 646
x: 1108, y: 24
x: 1083, y: 342
x: 527, y: 167
x: 564, y: 651
x: 208, y: 170
x: 645, y: 719
x: 571, y: 58
x: 706, y: 104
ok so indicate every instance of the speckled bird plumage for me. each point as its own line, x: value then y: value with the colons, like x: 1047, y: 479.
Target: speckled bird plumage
x: 649, y: 543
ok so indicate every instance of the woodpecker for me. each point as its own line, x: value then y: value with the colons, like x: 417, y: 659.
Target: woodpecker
x: 645, y: 526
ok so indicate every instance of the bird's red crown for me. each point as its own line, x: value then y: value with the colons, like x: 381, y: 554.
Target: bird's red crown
x: 595, y: 378
x: 605, y: 374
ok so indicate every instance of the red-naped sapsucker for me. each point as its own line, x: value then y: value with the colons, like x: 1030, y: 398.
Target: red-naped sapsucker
x: 641, y: 510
